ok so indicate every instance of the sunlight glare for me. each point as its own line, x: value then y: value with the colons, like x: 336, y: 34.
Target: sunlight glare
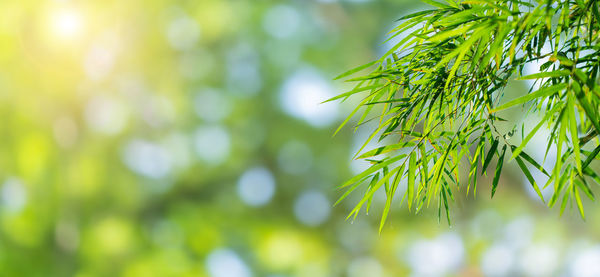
x: 66, y: 23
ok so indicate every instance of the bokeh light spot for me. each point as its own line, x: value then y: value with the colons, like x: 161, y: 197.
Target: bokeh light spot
x: 302, y: 95
x: 312, y: 208
x: 146, y: 158
x: 212, y: 144
x: 226, y: 263
x: 498, y: 260
x: 438, y: 257
x: 13, y: 195
x: 256, y: 186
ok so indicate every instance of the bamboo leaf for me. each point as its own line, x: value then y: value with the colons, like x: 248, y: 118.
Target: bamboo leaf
x: 354, y: 91
x: 591, y: 157
x: 412, y: 169
x: 549, y: 74
x: 543, y: 92
x: 490, y: 155
x: 354, y: 70
x: 530, y: 178
x: 574, y: 134
x: 579, y: 204
x: 390, y: 196
x: 498, y: 171
x: 371, y: 170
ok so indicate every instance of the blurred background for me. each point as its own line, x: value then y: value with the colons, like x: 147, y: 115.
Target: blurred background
x: 186, y: 138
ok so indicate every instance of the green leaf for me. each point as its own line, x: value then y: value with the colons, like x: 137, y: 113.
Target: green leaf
x: 354, y: 70
x: 415, y: 14
x: 582, y: 184
x: 412, y: 169
x: 549, y: 74
x: 436, y: 4
x: 543, y: 92
x: 371, y: 170
x: 574, y: 134
x: 490, y: 155
x: 390, y: 196
x: 579, y: 204
x: 371, y: 187
x: 587, y: 108
x: 385, y: 149
x: 529, y: 159
x: 529, y: 178
x: 498, y: 171
x: 371, y: 191
x: 591, y: 157
x: 446, y: 207
x: 473, y: 172
x: 354, y: 91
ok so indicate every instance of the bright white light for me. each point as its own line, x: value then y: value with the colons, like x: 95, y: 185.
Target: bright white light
x: 256, y: 186
x: 301, y: 97
x: 13, y: 195
x: 66, y: 23
x: 146, y: 158
x: 498, y: 261
x: 312, y: 208
x: 226, y: 263
x: 586, y: 263
x: 438, y: 257
x: 212, y: 144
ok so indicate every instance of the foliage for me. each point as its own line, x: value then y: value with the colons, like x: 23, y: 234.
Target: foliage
x: 437, y: 95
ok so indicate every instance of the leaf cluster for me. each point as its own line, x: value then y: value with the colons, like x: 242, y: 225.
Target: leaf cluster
x: 437, y: 96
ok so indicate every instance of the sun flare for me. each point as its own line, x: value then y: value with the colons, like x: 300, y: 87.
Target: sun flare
x: 66, y: 23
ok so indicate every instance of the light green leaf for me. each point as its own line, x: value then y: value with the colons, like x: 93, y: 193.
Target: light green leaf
x: 354, y: 70
x: 549, y: 74
x: 543, y: 92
